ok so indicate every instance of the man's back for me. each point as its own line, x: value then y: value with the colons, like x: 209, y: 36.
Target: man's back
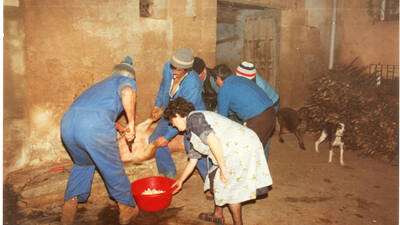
x: 243, y: 97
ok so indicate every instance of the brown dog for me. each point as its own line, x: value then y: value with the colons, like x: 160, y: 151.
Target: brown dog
x: 290, y: 120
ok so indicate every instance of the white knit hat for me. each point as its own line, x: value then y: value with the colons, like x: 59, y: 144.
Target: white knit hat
x: 246, y: 69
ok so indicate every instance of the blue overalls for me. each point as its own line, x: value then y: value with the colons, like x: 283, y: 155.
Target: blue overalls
x: 89, y: 135
x: 190, y: 89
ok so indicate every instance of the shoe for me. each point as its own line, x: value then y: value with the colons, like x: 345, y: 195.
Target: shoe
x: 211, y: 217
x: 127, y: 213
x: 69, y: 211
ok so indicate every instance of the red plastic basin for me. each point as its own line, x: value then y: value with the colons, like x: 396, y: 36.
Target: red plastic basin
x: 152, y: 203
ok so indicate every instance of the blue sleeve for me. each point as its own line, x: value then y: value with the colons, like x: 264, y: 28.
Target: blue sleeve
x: 263, y: 84
x: 214, y: 84
x: 163, y: 85
x: 191, y: 91
x: 171, y: 132
x: 223, y: 102
x: 126, y: 81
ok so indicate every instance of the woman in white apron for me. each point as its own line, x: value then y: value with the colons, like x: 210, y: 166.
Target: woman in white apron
x: 240, y: 171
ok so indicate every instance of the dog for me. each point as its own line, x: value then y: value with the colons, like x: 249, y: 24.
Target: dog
x: 334, y: 133
x: 289, y: 119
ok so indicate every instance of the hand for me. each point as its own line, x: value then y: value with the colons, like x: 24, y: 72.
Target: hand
x: 223, y: 175
x: 177, y: 186
x: 156, y: 113
x: 161, y: 142
x: 130, y: 132
x: 121, y: 129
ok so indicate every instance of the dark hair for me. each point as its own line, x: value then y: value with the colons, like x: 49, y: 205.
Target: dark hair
x: 198, y: 65
x: 222, y: 71
x: 174, y: 68
x: 209, y: 94
x: 178, y: 106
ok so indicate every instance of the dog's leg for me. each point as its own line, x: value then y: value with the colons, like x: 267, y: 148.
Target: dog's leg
x: 280, y: 134
x: 299, y: 139
x: 341, y: 154
x: 330, y: 152
x: 320, y: 140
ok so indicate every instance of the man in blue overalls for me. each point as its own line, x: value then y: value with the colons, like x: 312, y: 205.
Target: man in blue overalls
x: 89, y: 135
x: 248, y: 70
x: 250, y: 103
x: 178, y: 81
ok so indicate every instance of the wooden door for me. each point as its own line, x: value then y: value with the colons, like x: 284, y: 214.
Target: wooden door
x: 260, y: 46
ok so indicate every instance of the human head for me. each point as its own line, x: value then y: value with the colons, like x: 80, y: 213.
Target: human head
x: 181, y: 62
x: 125, y: 67
x: 177, y: 111
x: 221, y: 72
x: 199, y: 66
x: 246, y: 70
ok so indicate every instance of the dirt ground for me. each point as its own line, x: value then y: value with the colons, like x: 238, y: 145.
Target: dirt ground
x: 306, y: 191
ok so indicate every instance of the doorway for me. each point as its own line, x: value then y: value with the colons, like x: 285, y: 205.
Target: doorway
x: 249, y: 33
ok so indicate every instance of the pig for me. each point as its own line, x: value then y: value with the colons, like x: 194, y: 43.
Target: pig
x: 141, y: 149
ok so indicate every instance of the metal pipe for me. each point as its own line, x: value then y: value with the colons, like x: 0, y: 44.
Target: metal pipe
x: 333, y: 34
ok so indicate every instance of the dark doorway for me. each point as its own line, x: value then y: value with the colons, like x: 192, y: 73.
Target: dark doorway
x: 249, y: 33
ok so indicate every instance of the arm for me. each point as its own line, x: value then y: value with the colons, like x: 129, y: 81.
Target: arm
x: 186, y: 173
x: 198, y: 124
x: 128, y: 96
x: 163, y: 85
x: 223, y: 103
x: 191, y: 90
x: 216, y: 149
x: 267, y: 88
x: 171, y: 133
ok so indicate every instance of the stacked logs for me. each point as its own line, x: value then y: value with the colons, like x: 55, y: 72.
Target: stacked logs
x: 370, y: 113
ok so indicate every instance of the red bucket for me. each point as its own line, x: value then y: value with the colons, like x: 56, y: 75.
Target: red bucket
x: 155, y: 202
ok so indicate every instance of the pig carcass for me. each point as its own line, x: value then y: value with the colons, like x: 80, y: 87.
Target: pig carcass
x: 142, y: 150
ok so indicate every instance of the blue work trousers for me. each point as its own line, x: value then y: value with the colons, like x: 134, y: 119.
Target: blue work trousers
x: 90, y: 138
x: 164, y: 161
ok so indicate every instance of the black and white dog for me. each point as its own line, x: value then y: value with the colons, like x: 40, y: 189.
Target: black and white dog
x: 333, y: 132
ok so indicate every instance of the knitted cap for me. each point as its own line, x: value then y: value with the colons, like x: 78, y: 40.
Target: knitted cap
x: 125, y: 67
x: 246, y: 69
x: 182, y: 58
x: 127, y: 61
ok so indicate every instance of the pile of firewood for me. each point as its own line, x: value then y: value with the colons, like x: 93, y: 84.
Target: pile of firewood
x: 370, y: 112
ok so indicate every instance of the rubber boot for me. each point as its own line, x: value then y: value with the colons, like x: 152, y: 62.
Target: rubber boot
x: 69, y: 211
x: 127, y: 213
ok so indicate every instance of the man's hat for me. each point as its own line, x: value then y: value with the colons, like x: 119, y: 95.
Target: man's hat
x: 246, y: 69
x: 182, y: 58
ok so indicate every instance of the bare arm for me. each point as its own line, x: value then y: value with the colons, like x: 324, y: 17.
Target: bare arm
x: 186, y: 173
x: 216, y: 149
x: 128, y: 96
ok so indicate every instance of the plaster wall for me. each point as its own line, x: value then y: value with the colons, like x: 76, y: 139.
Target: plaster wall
x: 69, y: 45
x: 14, y: 85
x: 360, y: 36
x: 66, y: 46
